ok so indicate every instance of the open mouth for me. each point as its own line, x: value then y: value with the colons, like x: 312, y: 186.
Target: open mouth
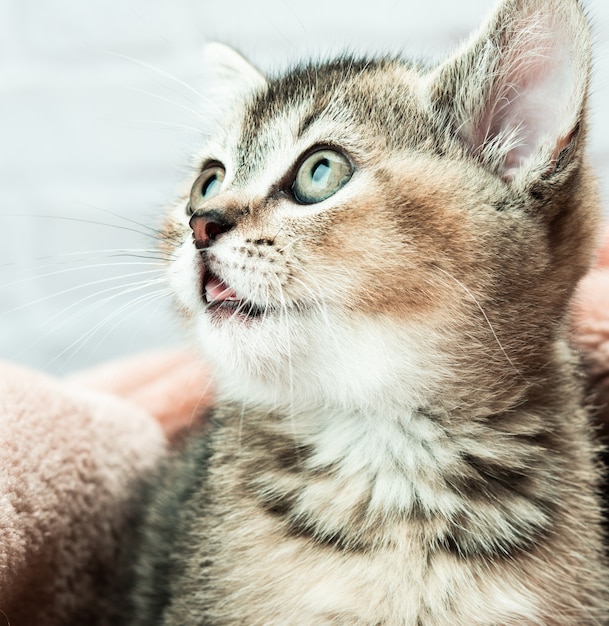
x: 222, y: 301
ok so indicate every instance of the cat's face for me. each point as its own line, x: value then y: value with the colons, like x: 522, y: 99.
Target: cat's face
x: 343, y: 233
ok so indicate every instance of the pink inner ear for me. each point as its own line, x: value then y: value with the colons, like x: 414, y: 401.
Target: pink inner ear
x: 536, y: 97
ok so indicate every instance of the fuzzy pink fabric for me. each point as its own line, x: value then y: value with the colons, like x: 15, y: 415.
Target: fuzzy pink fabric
x: 71, y: 455
x: 73, y: 450
x: 591, y: 332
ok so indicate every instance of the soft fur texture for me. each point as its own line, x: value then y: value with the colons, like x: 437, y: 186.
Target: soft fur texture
x: 70, y: 456
x: 73, y: 456
x: 412, y: 446
x: 400, y: 436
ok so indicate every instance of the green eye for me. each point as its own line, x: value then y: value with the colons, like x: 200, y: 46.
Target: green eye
x: 320, y: 176
x: 207, y: 185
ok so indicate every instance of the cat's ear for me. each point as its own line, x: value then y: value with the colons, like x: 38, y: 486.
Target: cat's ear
x: 232, y: 74
x: 516, y: 93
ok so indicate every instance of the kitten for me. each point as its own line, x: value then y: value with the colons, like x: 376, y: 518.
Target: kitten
x: 378, y: 258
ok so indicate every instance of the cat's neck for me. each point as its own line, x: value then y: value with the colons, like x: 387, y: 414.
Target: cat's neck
x: 348, y: 474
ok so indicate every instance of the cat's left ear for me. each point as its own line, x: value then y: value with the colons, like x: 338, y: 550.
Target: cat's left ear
x: 516, y: 93
x: 231, y: 73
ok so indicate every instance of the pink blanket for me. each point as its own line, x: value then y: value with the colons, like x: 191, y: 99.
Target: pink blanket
x: 73, y: 450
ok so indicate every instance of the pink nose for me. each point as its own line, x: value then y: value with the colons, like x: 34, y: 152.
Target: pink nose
x: 207, y: 227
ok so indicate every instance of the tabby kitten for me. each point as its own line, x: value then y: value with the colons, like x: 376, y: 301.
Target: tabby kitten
x: 378, y: 259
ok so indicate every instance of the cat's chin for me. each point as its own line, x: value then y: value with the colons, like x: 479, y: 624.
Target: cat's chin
x: 239, y: 310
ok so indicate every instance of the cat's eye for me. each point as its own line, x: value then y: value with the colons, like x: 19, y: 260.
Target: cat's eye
x: 320, y: 176
x: 207, y: 185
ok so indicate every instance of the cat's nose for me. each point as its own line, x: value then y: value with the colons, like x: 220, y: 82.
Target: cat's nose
x: 208, y: 226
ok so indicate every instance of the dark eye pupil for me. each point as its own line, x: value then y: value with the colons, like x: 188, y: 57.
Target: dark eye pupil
x: 321, y: 171
x: 210, y: 185
x: 320, y: 176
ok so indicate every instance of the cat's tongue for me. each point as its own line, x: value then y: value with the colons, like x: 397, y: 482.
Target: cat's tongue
x: 217, y: 291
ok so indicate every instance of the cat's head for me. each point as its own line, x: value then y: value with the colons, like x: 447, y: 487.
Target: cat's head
x: 369, y: 228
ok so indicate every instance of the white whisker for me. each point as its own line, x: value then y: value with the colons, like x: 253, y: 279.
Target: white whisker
x: 73, y: 288
x: 172, y: 125
x: 71, y: 257
x: 203, y: 393
x: 133, y: 303
x: 488, y: 322
x: 82, y: 220
x: 322, y: 307
x: 160, y: 72
x: 151, y: 229
x: 284, y: 312
x: 124, y: 287
x: 195, y: 112
x: 83, y: 340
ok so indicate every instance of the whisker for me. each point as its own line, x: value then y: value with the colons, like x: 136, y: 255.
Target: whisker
x: 80, y: 285
x: 79, y: 220
x: 193, y: 415
x: 322, y: 307
x: 67, y: 257
x: 125, y: 290
x: 119, y: 216
x: 188, y: 109
x: 83, y: 340
x: 121, y: 318
x: 284, y: 315
x: 240, y: 429
x: 82, y: 261
x: 488, y: 322
x: 97, y: 294
x: 70, y: 319
x: 161, y: 259
x: 193, y: 129
x: 90, y: 334
x: 161, y: 72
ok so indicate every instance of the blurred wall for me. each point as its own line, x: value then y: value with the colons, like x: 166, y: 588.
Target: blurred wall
x: 100, y: 106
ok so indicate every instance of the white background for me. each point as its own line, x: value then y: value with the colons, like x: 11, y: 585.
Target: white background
x: 98, y: 114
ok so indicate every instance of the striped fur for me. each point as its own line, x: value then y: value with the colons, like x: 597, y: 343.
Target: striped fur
x: 400, y: 437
